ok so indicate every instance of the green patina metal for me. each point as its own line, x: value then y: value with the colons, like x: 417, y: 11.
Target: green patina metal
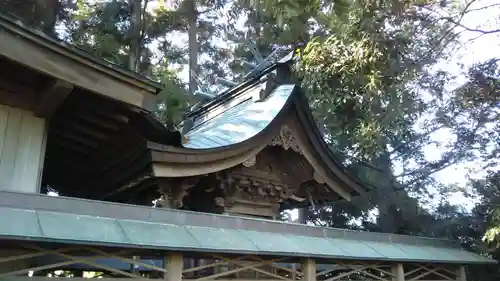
x: 50, y: 226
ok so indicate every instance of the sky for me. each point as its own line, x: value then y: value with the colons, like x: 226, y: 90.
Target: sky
x: 474, y: 51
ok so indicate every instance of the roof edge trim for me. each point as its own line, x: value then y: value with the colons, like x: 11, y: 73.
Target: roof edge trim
x: 37, y: 37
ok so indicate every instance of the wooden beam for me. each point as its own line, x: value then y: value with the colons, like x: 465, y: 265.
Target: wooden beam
x: 461, y: 275
x: 104, y: 112
x: 53, y: 98
x: 174, y: 264
x: 308, y: 270
x: 95, y: 121
x: 64, y: 67
x: 398, y: 273
x: 105, y: 107
x: 39, y: 278
x: 16, y: 99
x: 68, y: 144
x: 128, y: 171
x: 76, y: 138
x: 76, y: 127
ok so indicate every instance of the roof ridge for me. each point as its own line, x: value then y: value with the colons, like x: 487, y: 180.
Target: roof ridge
x: 224, y: 95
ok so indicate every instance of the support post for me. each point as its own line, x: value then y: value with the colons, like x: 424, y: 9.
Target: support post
x: 308, y: 270
x: 461, y: 275
x: 398, y: 272
x: 303, y: 215
x: 174, y: 264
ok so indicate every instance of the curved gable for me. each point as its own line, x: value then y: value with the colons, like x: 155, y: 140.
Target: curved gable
x: 240, y: 119
x: 278, y: 131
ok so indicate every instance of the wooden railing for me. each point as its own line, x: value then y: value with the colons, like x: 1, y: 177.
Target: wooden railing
x: 31, y: 261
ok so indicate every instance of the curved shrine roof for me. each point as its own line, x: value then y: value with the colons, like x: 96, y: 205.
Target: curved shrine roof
x: 242, y: 122
x: 238, y: 120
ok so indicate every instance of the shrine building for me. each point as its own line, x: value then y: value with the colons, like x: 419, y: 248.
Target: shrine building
x: 84, y: 127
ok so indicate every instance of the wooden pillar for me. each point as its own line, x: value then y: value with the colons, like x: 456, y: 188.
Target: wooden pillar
x: 461, y: 275
x: 303, y: 215
x: 308, y: 270
x: 398, y: 272
x: 174, y: 264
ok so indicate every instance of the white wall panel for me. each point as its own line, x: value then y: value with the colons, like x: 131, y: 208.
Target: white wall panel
x: 21, y: 149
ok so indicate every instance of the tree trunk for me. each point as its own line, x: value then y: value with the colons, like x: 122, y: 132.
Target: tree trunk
x: 192, y: 17
x: 383, y: 195
x: 135, y: 35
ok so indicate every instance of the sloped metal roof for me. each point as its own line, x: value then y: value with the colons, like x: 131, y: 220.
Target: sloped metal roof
x: 190, y: 231
x: 239, y: 119
x: 14, y: 24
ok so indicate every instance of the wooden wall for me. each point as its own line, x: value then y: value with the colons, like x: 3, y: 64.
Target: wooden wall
x: 22, y: 149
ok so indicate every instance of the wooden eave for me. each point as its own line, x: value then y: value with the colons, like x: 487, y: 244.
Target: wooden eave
x: 118, y: 166
x: 170, y: 161
x: 185, y: 162
x: 59, y: 60
x: 332, y: 166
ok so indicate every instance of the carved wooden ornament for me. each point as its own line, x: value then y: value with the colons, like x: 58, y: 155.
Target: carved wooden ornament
x: 250, y: 161
x: 286, y: 139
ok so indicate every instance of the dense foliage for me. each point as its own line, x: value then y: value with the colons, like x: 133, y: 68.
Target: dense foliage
x: 371, y: 70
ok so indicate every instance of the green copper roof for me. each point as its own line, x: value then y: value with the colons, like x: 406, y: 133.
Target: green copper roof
x: 240, y: 120
x: 188, y: 231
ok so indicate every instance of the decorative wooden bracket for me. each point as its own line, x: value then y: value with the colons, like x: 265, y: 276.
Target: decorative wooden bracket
x: 53, y: 98
x: 174, y: 190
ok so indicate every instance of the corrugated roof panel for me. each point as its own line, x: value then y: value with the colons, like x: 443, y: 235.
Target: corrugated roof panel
x: 316, y: 246
x: 389, y: 250
x: 157, y: 234
x: 86, y: 229
x: 67, y: 226
x: 221, y: 239
x: 415, y: 251
x: 356, y: 248
x: 272, y: 242
x: 26, y: 222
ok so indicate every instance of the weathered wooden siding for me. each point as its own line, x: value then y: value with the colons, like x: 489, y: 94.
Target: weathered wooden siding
x: 22, y: 141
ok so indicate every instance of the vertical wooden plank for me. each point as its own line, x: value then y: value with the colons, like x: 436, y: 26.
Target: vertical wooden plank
x: 21, y: 141
x: 41, y: 160
x: 4, y: 116
x: 29, y: 148
x: 9, y: 149
x: 398, y: 272
x: 36, y: 154
x: 21, y: 175
x: 308, y: 270
x: 174, y: 266
x: 461, y: 274
x: 303, y: 215
x: 294, y: 271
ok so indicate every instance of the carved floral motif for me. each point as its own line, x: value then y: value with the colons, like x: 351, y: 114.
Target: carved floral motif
x: 286, y: 139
